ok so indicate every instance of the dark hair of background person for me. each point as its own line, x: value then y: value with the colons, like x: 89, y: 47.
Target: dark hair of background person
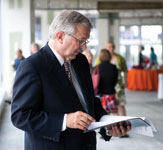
x: 152, y: 49
x: 104, y: 55
x: 20, y: 51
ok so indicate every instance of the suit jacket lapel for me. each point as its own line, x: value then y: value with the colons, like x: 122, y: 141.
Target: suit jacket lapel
x: 81, y: 81
x: 59, y: 77
x: 56, y: 71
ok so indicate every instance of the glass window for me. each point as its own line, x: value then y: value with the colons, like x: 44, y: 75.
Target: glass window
x: 123, y: 50
x: 158, y: 52
x: 131, y: 37
x: 129, y: 34
x: 134, y: 54
x: 151, y: 34
x: 38, y: 29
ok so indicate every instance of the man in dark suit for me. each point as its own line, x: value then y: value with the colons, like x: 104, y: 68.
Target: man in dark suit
x: 54, y: 105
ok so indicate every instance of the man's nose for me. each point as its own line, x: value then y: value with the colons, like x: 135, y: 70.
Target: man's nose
x: 83, y: 47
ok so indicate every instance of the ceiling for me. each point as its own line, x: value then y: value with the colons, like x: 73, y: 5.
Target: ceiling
x: 101, y: 5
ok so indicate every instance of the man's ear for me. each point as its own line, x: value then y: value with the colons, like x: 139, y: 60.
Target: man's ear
x: 60, y: 36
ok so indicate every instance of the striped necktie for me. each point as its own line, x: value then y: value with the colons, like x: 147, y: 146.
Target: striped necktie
x: 67, y: 71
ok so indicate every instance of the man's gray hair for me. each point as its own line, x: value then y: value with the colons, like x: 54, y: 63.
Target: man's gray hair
x: 66, y: 21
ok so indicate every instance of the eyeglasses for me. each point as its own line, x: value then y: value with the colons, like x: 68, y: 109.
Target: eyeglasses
x: 80, y: 42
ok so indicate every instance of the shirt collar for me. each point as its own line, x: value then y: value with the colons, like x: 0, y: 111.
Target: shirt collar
x: 59, y: 58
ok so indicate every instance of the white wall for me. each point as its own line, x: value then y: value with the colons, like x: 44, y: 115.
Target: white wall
x: 16, y: 31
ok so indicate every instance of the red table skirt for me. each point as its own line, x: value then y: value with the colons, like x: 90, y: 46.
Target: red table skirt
x: 139, y: 79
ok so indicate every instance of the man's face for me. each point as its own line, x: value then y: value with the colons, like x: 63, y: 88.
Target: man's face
x: 110, y: 47
x: 18, y: 54
x: 33, y: 49
x: 89, y: 57
x: 73, y: 43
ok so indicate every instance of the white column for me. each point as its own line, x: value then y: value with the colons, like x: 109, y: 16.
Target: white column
x: 114, y: 33
x: 102, y: 25
x: 31, y: 21
x: 108, y: 30
x: 1, y: 77
x: 16, y: 33
x: 162, y: 43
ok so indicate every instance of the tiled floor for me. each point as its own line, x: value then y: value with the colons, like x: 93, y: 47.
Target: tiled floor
x: 10, y: 137
x: 143, y: 104
x: 138, y: 104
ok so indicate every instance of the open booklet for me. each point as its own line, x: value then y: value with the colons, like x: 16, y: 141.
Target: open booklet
x: 139, y: 125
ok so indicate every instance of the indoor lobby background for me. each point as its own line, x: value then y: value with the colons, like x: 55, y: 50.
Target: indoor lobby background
x: 128, y: 23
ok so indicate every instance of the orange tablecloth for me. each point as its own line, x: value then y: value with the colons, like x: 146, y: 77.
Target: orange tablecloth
x: 138, y: 79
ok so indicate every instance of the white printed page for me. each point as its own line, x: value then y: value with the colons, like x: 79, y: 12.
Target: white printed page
x: 144, y: 130
x: 139, y: 125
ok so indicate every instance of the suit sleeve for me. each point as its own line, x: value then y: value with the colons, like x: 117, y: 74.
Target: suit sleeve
x: 100, y: 111
x: 26, y: 110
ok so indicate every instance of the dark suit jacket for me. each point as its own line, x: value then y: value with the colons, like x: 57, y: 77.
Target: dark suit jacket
x: 42, y: 94
x: 108, y: 78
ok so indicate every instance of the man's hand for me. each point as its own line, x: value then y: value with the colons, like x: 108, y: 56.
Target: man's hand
x: 119, y: 129
x: 78, y: 120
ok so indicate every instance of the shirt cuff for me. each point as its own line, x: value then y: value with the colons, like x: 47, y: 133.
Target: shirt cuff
x: 64, y: 123
x: 107, y: 132
x: 106, y: 128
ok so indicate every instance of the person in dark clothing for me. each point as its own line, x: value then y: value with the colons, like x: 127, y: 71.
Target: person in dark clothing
x: 53, y: 98
x: 108, y: 80
x: 19, y: 58
x: 141, y: 57
x: 153, y: 58
x: 89, y: 57
x: 15, y: 66
x: 34, y: 48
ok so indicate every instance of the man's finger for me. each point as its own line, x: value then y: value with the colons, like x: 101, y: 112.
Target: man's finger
x: 84, y: 124
x: 88, y: 117
x: 123, y: 130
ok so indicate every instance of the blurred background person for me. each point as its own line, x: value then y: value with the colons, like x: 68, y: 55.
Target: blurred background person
x: 19, y: 58
x: 120, y: 63
x: 15, y: 65
x: 89, y: 57
x: 141, y: 57
x: 108, y: 79
x: 143, y: 60
x: 153, y: 59
x: 34, y: 48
